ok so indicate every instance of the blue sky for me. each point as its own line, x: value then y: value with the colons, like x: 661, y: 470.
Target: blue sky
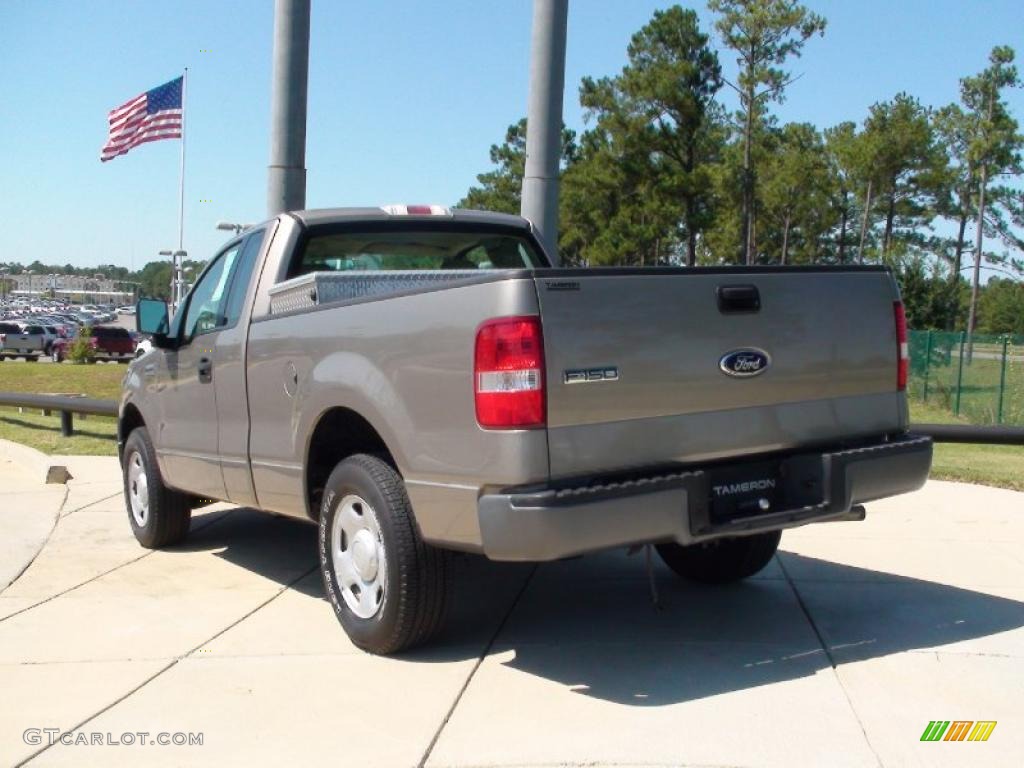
x: 405, y: 98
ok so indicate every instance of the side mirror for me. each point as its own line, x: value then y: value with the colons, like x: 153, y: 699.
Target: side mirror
x: 151, y: 318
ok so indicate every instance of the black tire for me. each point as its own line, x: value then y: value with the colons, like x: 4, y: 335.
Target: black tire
x: 721, y: 561
x: 168, y: 513
x: 412, y: 606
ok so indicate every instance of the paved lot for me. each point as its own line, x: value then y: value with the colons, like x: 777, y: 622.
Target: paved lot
x: 837, y: 655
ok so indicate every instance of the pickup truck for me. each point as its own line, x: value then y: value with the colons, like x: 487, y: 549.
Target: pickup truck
x: 416, y: 380
x: 21, y: 340
x: 107, y: 342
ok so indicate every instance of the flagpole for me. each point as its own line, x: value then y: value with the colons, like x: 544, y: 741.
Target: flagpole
x: 178, y: 266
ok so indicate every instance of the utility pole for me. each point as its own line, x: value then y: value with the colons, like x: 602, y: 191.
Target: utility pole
x: 286, y: 177
x: 544, y: 120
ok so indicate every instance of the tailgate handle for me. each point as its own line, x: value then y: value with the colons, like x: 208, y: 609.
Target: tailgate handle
x: 734, y: 299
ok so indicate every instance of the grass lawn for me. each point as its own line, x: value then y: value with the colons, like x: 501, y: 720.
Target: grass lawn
x: 999, y: 465
x: 94, y: 435
x: 100, y: 380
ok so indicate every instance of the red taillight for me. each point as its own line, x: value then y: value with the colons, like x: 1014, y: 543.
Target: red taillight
x: 508, y: 373
x: 902, y: 349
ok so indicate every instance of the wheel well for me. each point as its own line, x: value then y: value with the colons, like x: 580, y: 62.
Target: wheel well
x: 339, y: 433
x: 131, y: 418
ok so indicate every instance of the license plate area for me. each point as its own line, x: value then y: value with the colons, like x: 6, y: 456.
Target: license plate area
x: 741, y: 491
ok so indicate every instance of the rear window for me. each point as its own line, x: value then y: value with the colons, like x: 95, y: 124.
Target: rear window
x: 414, y: 249
x: 111, y: 333
x: 9, y: 328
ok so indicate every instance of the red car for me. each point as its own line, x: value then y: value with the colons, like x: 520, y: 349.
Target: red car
x: 108, y: 343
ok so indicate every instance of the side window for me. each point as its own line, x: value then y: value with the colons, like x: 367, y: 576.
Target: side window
x: 204, y: 307
x: 240, y: 280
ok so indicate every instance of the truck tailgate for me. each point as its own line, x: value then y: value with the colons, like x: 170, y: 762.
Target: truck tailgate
x: 634, y: 363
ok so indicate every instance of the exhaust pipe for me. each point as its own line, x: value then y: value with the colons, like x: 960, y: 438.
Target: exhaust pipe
x: 856, y: 513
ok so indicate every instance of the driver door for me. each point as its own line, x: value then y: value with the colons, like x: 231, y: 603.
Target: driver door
x: 188, y: 442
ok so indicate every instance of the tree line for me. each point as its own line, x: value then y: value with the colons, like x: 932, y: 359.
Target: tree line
x: 664, y: 174
x: 153, y: 280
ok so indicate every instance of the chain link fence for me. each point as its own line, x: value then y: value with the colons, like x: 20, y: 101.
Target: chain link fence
x: 979, y: 378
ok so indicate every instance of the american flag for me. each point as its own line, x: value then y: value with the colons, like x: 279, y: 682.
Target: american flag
x: 151, y: 116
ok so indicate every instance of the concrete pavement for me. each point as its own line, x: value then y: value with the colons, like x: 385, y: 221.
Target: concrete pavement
x: 838, y: 654
x: 28, y: 509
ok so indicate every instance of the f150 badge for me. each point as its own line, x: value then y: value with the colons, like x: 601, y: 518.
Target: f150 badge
x: 590, y: 375
x: 744, y: 363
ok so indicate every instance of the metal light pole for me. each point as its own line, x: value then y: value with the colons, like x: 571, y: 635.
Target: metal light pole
x: 177, y: 261
x: 544, y: 120
x: 170, y: 254
x: 230, y: 226
x: 286, y: 177
x: 179, y: 280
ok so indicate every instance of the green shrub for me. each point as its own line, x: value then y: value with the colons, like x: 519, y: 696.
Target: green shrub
x: 80, y: 350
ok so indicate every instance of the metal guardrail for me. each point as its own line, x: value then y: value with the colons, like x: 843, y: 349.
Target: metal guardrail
x: 67, y: 406
x: 940, y: 433
x: 969, y: 433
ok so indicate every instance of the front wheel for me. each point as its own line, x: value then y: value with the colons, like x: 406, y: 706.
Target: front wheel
x: 387, y: 587
x: 159, y: 516
x: 721, y: 561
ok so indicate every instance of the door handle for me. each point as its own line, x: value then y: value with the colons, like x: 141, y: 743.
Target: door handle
x: 205, y: 369
x: 735, y: 299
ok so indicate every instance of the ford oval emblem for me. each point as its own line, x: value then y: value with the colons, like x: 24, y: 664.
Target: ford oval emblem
x: 744, y: 363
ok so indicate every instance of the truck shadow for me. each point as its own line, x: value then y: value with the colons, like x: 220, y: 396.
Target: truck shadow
x: 590, y: 624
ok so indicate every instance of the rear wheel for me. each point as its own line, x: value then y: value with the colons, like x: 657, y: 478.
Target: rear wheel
x: 721, y: 561
x: 387, y: 587
x: 159, y: 516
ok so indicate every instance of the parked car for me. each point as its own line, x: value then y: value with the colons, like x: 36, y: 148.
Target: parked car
x: 107, y: 342
x: 21, y: 340
x: 126, y: 310
x: 464, y: 395
x: 52, y: 334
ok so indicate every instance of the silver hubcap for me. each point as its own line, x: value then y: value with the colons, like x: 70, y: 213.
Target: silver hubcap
x: 357, y: 553
x: 138, y: 489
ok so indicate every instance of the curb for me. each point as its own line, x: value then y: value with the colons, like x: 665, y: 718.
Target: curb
x: 41, y: 466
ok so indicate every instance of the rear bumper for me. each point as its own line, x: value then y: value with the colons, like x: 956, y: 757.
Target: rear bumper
x: 113, y: 353
x: 550, y: 523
